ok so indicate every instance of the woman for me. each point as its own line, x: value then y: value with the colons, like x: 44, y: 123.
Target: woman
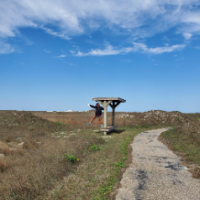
x: 98, y: 113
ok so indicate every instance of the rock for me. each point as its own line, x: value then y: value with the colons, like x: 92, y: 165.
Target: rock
x: 78, y: 130
x: 62, y: 133
x: 38, y: 142
x: 106, y: 136
x: 2, y: 156
x: 71, y: 134
x: 12, y: 149
x: 21, y: 144
x: 65, y: 136
x: 19, y: 139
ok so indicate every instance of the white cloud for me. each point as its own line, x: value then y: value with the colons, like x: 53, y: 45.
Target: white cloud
x: 6, y: 48
x: 46, y: 51
x: 61, y: 56
x: 77, y: 17
x: 51, y: 32
x: 157, y: 50
x: 137, y: 47
x: 187, y: 36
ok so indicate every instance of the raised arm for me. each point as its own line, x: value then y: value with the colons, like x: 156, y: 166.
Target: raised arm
x: 92, y: 106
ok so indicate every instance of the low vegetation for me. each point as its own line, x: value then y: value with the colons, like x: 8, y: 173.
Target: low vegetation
x: 184, y: 140
x: 44, y: 160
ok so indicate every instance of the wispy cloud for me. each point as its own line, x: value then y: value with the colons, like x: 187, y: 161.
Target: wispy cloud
x: 137, y: 47
x: 47, y: 51
x: 6, y: 48
x: 157, y: 50
x: 54, y: 33
x: 187, y: 36
x: 61, y: 56
x: 78, y: 17
x: 72, y: 64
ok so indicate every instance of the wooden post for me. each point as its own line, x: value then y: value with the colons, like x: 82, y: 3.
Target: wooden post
x: 113, y: 106
x: 105, y: 104
x: 113, y: 116
x: 105, y: 114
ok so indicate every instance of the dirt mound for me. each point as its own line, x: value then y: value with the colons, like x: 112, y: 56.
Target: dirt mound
x: 22, y: 124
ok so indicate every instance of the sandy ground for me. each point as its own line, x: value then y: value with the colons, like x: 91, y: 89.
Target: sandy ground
x: 156, y: 173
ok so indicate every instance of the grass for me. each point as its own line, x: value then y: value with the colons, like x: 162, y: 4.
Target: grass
x: 81, y: 166
x: 182, y: 140
x: 56, y: 166
x: 99, y: 173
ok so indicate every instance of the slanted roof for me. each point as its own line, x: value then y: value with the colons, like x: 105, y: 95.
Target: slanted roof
x: 109, y: 99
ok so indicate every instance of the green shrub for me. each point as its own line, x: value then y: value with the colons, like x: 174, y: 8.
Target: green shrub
x: 70, y: 158
x: 95, y: 148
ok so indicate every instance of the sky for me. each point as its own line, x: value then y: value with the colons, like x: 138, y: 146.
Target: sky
x: 58, y: 55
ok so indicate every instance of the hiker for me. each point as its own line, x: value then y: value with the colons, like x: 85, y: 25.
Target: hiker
x: 98, y: 112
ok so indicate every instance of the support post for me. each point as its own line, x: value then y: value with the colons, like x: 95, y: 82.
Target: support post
x: 105, y: 114
x: 113, y: 106
x: 105, y: 104
x: 113, y: 116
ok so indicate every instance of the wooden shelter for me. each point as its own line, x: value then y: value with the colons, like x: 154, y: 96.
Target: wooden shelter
x: 113, y: 102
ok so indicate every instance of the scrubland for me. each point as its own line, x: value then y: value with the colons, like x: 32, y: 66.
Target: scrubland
x: 40, y: 159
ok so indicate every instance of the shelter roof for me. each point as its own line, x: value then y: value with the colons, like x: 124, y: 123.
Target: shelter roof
x: 109, y: 99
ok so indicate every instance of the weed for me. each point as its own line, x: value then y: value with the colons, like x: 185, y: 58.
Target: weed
x: 31, y: 128
x: 70, y: 158
x: 138, y: 126
x: 95, y: 148
x: 199, y: 119
x: 58, y: 123
x: 119, y: 164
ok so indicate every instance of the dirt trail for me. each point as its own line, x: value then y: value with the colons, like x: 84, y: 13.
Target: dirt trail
x: 156, y: 173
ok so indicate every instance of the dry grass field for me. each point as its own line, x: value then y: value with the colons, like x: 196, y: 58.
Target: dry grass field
x: 40, y: 159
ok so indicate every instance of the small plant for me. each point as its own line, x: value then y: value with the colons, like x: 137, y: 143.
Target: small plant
x: 138, y: 126
x: 146, y: 126
x: 119, y: 164
x: 58, y: 123
x: 70, y: 158
x: 95, y: 148
x: 199, y: 119
x: 31, y: 128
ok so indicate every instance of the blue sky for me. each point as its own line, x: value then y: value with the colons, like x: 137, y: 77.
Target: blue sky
x: 58, y: 55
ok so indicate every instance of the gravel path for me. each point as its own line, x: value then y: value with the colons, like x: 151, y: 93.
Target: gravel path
x: 155, y: 173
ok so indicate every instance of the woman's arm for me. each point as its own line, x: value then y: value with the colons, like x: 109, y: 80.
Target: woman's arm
x: 92, y: 106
